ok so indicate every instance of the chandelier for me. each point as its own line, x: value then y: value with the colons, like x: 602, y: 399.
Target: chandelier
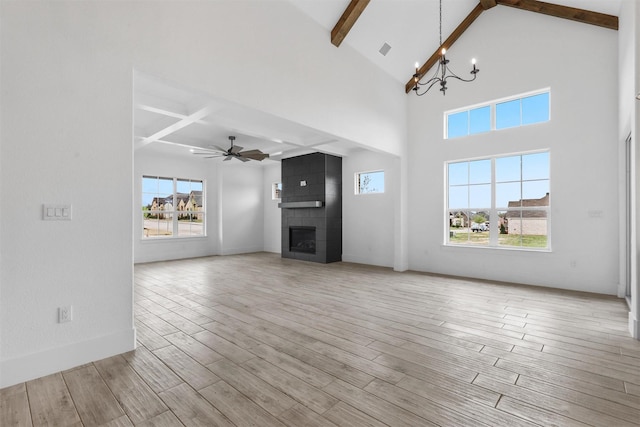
x: 443, y: 72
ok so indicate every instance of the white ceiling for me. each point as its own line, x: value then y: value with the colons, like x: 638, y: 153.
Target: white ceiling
x: 173, y: 120
x: 410, y: 27
x: 176, y: 121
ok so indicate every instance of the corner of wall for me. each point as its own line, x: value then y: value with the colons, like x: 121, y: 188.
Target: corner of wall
x: 633, y: 326
x: 58, y: 359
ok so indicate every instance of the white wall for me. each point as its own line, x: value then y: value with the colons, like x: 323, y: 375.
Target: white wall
x: 271, y: 172
x: 368, y: 219
x: 242, y: 207
x: 66, y: 118
x: 520, y: 51
x: 634, y: 317
x: 148, y: 250
x: 241, y: 217
x: 628, y: 122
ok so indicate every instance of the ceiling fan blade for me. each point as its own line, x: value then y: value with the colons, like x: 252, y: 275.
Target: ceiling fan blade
x: 254, y: 155
x: 242, y: 159
x: 236, y: 149
x: 250, y: 152
x: 206, y: 153
x: 215, y: 147
x: 227, y: 158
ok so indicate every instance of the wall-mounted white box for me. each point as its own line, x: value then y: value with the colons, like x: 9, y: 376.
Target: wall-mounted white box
x: 56, y: 212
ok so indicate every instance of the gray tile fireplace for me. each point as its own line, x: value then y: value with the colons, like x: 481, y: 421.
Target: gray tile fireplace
x: 312, y: 208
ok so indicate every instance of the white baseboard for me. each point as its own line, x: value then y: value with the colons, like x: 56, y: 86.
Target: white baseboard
x: 237, y: 251
x: 36, y: 365
x: 356, y: 259
x: 634, y: 329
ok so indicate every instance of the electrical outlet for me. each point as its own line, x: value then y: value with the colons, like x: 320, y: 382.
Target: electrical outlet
x: 65, y: 314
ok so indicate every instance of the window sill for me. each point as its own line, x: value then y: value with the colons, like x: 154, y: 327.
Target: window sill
x: 369, y: 194
x: 146, y: 240
x: 498, y: 248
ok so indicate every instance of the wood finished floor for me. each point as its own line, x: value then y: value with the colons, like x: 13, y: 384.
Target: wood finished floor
x: 256, y: 340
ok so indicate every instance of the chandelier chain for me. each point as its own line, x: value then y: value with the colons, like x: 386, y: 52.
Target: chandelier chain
x: 440, y: 22
x: 443, y: 72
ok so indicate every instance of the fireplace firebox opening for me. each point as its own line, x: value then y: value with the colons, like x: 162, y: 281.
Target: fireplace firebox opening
x: 302, y: 239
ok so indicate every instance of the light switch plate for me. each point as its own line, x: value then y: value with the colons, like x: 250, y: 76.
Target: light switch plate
x: 56, y: 212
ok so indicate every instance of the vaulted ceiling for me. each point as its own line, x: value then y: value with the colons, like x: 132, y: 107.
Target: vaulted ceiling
x: 409, y: 28
x: 173, y: 120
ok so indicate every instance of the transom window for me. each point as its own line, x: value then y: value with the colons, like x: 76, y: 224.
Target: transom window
x: 499, y: 201
x: 369, y: 182
x: 520, y: 110
x: 172, y: 207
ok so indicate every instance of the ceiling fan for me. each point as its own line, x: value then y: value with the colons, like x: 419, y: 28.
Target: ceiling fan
x: 235, y: 151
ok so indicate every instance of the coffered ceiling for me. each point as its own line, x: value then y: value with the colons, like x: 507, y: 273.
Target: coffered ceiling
x: 175, y: 120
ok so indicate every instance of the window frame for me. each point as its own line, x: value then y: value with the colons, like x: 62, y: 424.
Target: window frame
x: 493, y: 116
x: 494, y: 210
x: 356, y: 182
x: 276, y: 191
x: 173, y: 213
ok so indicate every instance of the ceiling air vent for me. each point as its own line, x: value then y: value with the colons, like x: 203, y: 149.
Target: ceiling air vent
x: 385, y: 49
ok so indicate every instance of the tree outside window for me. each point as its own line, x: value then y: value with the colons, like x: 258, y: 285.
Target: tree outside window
x: 369, y: 182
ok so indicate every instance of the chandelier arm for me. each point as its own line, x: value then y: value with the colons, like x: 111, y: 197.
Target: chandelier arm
x: 437, y: 75
x: 430, y: 81
x: 455, y: 76
x: 433, y: 82
x: 463, y: 80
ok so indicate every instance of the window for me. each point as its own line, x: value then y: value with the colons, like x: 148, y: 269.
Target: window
x: 172, y: 207
x: 468, y: 122
x: 523, y: 111
x: 500, y: 201
x: 276, y: 191
x: 369, y: 182
x: 520, y: 110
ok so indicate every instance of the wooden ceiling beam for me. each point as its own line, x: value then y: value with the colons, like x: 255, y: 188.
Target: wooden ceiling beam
x: 559, y: 11
x: 488, y: 4
x: 566, y: 12
x: 346, y: 21
x: 446, y: 44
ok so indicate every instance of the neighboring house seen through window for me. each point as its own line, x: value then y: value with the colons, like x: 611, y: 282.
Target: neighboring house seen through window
x: 500, y: 201
x: 276, y: 191
x: 172, y: 207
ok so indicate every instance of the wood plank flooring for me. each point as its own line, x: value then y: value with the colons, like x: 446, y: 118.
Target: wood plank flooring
x: 256, y: 340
